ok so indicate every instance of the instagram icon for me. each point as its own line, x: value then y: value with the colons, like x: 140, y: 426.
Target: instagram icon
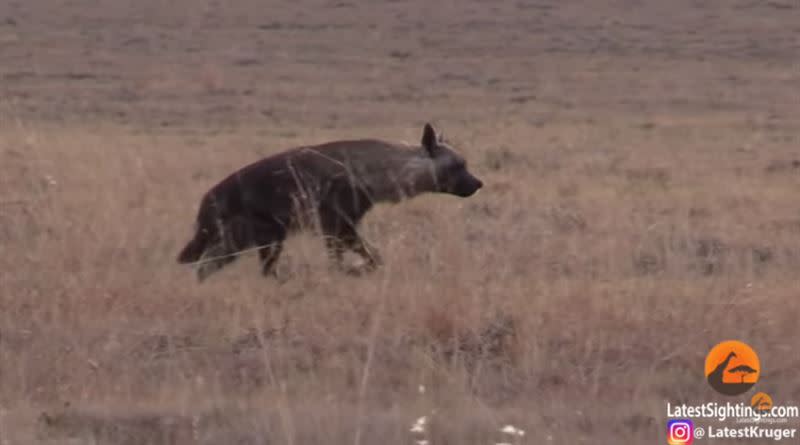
x: 680, y: 432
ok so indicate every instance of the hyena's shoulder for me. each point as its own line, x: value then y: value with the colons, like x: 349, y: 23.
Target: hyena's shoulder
x: 358, y: 149
x: 367, y: 155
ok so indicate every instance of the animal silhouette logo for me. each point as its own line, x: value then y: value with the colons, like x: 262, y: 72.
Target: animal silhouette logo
x: 732, y: 367
x: 761, y: 402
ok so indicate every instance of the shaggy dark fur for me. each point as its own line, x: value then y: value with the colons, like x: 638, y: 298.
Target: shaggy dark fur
x: 329, y: 187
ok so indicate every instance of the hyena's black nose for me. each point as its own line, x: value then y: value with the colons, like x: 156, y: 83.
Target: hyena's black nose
x: 478, y: 183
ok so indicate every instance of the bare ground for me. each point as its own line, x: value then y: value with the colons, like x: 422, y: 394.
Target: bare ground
x: 641, y: 170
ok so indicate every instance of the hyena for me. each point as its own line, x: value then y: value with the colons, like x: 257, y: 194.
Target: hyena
x: 329, y: 186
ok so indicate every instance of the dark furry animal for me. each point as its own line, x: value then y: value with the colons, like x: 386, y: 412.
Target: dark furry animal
x: 329, y: 186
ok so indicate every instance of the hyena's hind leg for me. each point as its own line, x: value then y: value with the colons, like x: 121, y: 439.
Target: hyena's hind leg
x: 269, y: 239
x: 215, y: 257
x: 230, y: 239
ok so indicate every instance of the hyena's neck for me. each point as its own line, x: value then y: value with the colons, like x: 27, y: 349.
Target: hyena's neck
x: 405, y: 175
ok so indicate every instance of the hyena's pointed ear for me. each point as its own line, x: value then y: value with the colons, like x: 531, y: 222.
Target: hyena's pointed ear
x: 429, y: 138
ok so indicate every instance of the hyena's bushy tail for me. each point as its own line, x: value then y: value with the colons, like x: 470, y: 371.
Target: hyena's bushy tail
x: 194, y: 249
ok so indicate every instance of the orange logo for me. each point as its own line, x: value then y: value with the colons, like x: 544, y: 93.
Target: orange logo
x: 761, y: 402
x: 732, y: 367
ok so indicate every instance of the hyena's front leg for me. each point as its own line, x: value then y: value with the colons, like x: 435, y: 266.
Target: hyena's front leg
x: 349, y: 239
x: 367, y: 251
x: 339, y: 218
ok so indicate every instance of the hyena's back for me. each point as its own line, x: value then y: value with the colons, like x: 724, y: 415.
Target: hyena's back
x: 265, y: 200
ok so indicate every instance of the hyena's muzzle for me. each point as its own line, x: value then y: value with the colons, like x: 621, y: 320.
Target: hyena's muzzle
x: 464, y: 184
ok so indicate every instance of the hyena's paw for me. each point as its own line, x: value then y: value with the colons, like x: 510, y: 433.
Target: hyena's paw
x: 374, y: 260
x: 358, y: 270
x: 370, y: 257
x: 367, y: 265
x: 278, y: 275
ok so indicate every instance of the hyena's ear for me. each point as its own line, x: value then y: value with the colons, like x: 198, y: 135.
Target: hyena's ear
x: 429, y: 139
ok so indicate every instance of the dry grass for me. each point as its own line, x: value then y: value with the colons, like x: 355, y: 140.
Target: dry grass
x: 640, y: 206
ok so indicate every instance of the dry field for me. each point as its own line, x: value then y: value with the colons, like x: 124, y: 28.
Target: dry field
x: 641, y: 204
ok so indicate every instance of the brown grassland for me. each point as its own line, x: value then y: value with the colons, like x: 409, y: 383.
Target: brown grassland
x: 641, y: 204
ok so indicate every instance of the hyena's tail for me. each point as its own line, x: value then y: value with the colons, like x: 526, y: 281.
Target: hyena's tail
x: 194, y: 249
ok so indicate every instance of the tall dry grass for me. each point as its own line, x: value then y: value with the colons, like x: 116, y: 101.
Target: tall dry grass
x: 579, y: 278
x: 640, y: 205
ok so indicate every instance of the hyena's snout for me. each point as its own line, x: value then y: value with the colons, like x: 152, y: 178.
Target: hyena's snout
x: 467, y: 185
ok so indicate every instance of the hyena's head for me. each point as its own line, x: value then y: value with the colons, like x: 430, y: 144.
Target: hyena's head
x: 449, y: 168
